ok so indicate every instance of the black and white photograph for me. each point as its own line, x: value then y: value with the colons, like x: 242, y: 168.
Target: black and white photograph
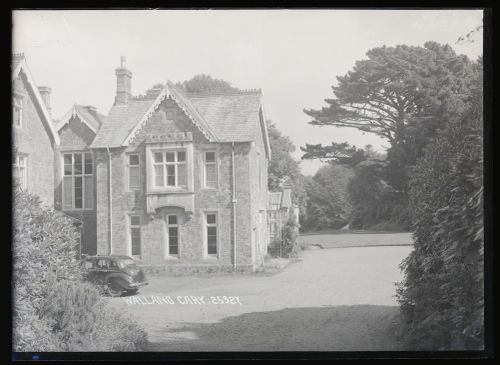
x: 247, y: 181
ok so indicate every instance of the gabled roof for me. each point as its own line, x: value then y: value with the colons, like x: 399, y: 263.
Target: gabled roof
x: 19, y: 65
x: 86, y: 114
x: 220, y: 118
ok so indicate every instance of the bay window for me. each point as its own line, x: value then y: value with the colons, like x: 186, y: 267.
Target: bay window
x: 169, y: 169
x: 78, y: 189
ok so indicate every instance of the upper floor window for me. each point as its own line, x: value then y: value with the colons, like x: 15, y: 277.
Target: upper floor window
x: 78, y: 190
x: 210, y: 169
x: 134, y: 172
x: 20, y: 171
x: 17, y: 112
x: 169, y: 169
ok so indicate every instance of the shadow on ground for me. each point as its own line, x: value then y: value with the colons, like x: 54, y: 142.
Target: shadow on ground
x: 329, y: 328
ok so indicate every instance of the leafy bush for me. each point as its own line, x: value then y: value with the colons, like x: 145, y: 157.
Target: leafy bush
x: 79, y: 316
x: 442, y: 295
x: 286, y: 245
x: 53, y: 310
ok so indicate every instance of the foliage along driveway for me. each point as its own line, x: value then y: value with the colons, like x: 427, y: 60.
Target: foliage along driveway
x: 331, y: 300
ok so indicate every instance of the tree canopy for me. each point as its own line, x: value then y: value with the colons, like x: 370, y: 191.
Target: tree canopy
x: 403, y: 94
x: 282, y: 165
x: 206, y: 84
x: 397, y: 89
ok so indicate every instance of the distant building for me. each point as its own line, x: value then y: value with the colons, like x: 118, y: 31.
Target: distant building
x: 280, y: 210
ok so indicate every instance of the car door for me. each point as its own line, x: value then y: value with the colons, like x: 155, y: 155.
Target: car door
x: 90, y: 266
x: 102, y: 270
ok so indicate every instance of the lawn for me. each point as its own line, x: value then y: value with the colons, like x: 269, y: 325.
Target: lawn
x: 341, y: 239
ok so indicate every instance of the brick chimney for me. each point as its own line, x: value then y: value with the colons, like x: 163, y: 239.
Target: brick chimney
x: 123, y: 83
x: 45, y: 92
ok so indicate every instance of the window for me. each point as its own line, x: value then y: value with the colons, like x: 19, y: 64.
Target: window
x: 102, y: 264
x: 211, y: 233
x: 210, y: 170
x: 134, y: 172
x: 135, y: 235
x: 169, y: 169
x: 273, y: 230
x: 78, y: 190
x: 20, y: 173
x: 173, y: 235
x: 17, y: 112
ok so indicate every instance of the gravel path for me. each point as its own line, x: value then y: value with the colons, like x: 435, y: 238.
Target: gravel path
x: 331, y: 300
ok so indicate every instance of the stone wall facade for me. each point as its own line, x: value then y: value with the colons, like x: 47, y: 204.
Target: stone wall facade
x: 76, y: 136
x: 32, y: 141
x: 190, y: 205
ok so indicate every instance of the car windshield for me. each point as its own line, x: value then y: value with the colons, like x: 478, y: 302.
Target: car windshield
x: 125, y: 262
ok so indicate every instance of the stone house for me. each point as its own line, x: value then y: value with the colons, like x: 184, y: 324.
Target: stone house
x: 34, y: 138
x: 180, y: 179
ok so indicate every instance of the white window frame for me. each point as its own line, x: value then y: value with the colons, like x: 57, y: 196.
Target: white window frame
x: 21, y: 163
x: 205, y: 234
x: 129, y: 166
x: 83, y: 175
x: 214, y: 163
x: 175, y: 163
x: 17, y: 110
x: 129, y: 234
x: 176, y: 225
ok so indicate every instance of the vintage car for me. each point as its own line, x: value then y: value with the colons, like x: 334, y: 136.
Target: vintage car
x: 115, y: 274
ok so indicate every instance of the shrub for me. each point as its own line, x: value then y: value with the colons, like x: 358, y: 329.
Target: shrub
x: 83, y: 321
x: 289, y: 237
x: 286, y: 245
x: 442, y: 296
x: 53, y: 309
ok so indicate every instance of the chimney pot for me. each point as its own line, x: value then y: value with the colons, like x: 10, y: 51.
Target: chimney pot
x: 123, y: 83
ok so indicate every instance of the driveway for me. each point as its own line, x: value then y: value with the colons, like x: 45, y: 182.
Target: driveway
x: 330, y: 300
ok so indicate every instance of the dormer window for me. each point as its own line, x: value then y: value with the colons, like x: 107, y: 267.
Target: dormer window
x: 169, y: 169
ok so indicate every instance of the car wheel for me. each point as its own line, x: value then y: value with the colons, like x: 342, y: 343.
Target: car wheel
x: 113, y: 289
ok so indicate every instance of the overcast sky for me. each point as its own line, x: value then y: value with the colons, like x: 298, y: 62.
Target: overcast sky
x: 293, y: 55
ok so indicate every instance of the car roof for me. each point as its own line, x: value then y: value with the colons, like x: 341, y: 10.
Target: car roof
x: 109, y: 257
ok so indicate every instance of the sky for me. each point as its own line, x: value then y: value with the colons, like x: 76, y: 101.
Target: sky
x: 294, y: 56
